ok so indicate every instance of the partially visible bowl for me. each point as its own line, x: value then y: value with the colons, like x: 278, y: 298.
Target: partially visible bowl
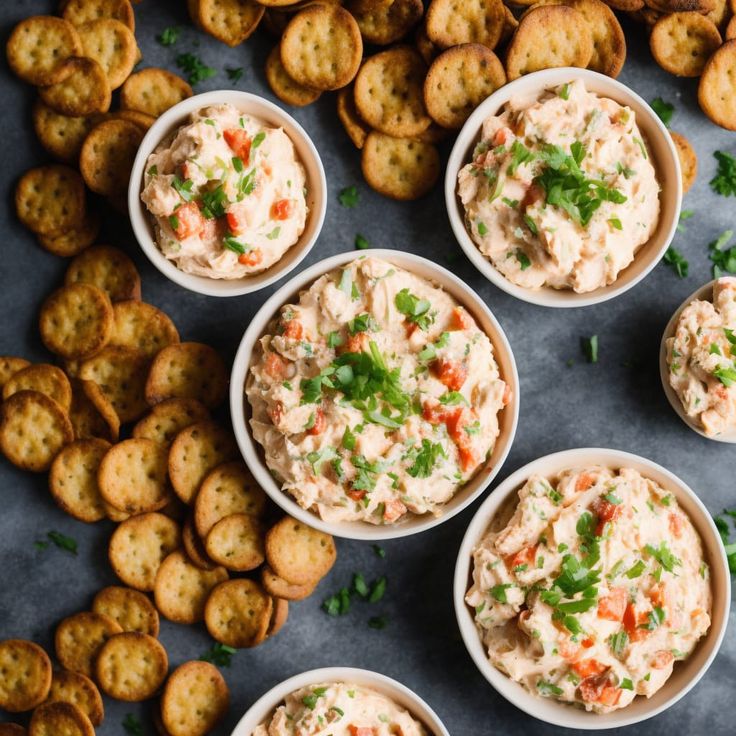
x: 316, y: 185
x: 400, y: 694
x: 666, y: 163
x: 252, y: 451
x: 686, y: 673
x: 704, y: 293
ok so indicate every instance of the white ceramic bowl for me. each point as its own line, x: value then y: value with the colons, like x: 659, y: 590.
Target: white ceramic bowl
x: 266, y: 704
x: 686, y: 674
x: 273, y: 115
x: 704, y: 293
x: 663, y: 153
x: 252, y: 451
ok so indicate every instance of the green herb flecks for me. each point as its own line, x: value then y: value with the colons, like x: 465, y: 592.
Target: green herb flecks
x: 234, y: 73
x: 677, y: 261
x: 415, y: 310
x: 663, y: 109
x: 349, y: 197
x: 194, y: 68
x: 724, y: 182
x: 589, y: 346
x: 132, y: 726
x: 723, y: 257
x: 169, y: 36
x: 219, y: 655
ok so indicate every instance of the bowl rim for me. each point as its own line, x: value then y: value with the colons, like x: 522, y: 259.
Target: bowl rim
x: 705, y: 293
x: 250, y: 449
x: 512, y: 691
x: 546, y: 296
x: 176, y: 116
x: 273, y: 697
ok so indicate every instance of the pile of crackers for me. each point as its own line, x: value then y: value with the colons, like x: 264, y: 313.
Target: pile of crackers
x: 126, y: 664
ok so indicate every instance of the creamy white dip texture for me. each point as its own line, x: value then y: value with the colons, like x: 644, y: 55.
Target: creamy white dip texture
x: 561, y: 191
x: 375, y: 396
x: 594, y: 588
x: 227, y: 194
x: 339, y: 709
x: 702, y: 359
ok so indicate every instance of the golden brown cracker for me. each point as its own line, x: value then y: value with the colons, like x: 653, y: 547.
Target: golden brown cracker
x: 76, y: 321
x: 730, y: 33
x: 168, y: 418
x: 475, y: 21
x: 50, y: 199
x: 142, y: 327
x: 609, y: 43
x: 9, y: 366
x: 322, y: 47
x: 427, y: 50
x: 399, y: 168
x: 238, y: 613
x: 73, y: 479
x: 131, y: 666
x: 194, y: 546
x: 91, y: 413
x: 153, y: 91
x: 720, y: 15
x: 388, y: 92
x: 79, y: 690
x: 108, y: 268
x: 283, y: 86
x: 60, y: 719
x: 112, y: 45
x: 236, y: 543
x: 715, y: 90
x: 194, y: 700
x: 131, y: 609
x: 298, y: 553
x: 681, y: 6
x: 83, y: 11
x: 33, y: 428
x: 26, y: 675
x: 73, y: 241
x: 229, y: 21
x: 79, y: 638
x: 84, y: 92
x: 280, y: 588
x: 682, y: 43
x: 355, y: 127
x: 181, y: 588
x: 138, y: 547
x: 107, y: 156
x: 44, y: 378
x: 386, y: 22
x: 61, y: 135
x: 133, y: 476
x: 279, y: 616
x: 688, y: 160
x: 142, y: 119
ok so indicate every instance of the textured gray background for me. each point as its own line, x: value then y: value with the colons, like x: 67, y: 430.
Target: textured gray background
x: 611, y: 404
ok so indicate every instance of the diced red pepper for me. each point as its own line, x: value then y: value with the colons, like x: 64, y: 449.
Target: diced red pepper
x: 251, y: 257
x: 361, y: 730
x: 676, y: 525
x: 632, y: 623
x: 239, y: 142
x: 584, y: 481
x: 612, y: 606
x: 293, y: 329
x: 605, y: 511
x: 281, y: 209
x: 188, y: 220
x: 525, y: 556
x: 461, y: 320
x: 357, y: 343
x: 598, y: 689
x: 275, y: 366
x: 451, y: 372
x: 588, y: 667
x: 356, y: 495
x: 456, y: 421
x: 393, y: 510
x: 568, y: 650
x: 236, y: 223
x: 610, y: 695
x: 588, y: 642
x: 320, y: 422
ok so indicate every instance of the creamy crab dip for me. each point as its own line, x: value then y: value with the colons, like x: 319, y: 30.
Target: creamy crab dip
x: 227, y: 194
x: 561, y: 191
x: 339, y: 709
x: 702, y: 359
x: 375, y: 396
x: 593, y: 589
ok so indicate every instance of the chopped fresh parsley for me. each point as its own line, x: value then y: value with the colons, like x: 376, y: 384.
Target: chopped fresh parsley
x: 338, y: 604
x: 169, y: 36
x: 415, y: 310
x: 274, y: 233
x: 615, y: 223
x: 231, y: 244
x: 257, y: 140
x: 531, y: 225
x: 379, y: 551
x: 635, y: 570
x: 663, y: 555
x: 193, y: 67
x: 723, y: 257
x: 360, y: 586
x: 132, y: 725
x: 520, y: 154
x: 548, y: 688
x: 523, y: 259
x: 234, y: 73
x: 663, y: 109
x: 361, y: 243
x: 174, y: 222
x: 349, y: 197
x: 564, y: 91
x: 311, y: 700
x: 684, y: 215
x: 499, y: 592
x: 721, y: 523
x: 334, y: 340
x: 626, y: 684
x: 425, y: 458
x: 378, y: 589
x: 589, y: 347
x: 452, y: 398
x: 655, y: 618
x: 60, y: 540
x: 674, y: 258
x: 152, y: 171
x: 214, y: 203
x: 219, y: 654
x: 724, y: 182
x: 618, y: 642
x: 183, y: 188
x: 726, y: 375
x: 482, y: 229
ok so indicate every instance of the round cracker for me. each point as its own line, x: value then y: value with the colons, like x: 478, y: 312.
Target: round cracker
x: 730, y: 33
x: 121, y: 375
x: 715, y: 91
x: 459, y: 79
x: 33, y: 428
x: 682, y: 43
x: 322, y: 47
x: 194, y: 547
x: 283, y: 86
x: 73, y: 241
x: 50, y: 199
x: 61, y: 135
x: 298, y: 553
x: 609, y: 43
x: 194, y: 700
x: 76, y: 321
x: 354, y: 126
x: 39, y: 49
x: 79, y: 690
x: 181, y: 588
x: 681, y: 6
x: 107, y: 156
x: 91, y: 414
x: 44, y: 378
x: 9, y: 366
x: 427, y: 50
x: 688, y: 160
x: 283, y: 589
x: 229, y: 21
x: 133, y: 476
x: 138, y: 547
x: 83, y: 11
x: 153, y: 91
x: 84, y: 92
x: 143, y: 120
x: 549, y: 36
x: 398, y: 167
x: 54, y: 719
x: 79, y: 638
x: 236, y: 543
x: 131, y: 666
x: 228, y: 489
x: 131, y: 609
x: 168, y: 418
x: 279, y: 616
x: 388, y: 92
x: 238, y: 613
x: 108, y: 268
x: 187, y: 370
x: 386, y: 22
x: 475, y: 21
x: 112, y: 45
x: 26, y: 675
x: 73, y: 479
x: 142, y: 327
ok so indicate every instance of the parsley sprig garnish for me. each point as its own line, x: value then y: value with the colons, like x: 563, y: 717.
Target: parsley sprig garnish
x: 723, y: 257
x: 724, y: 182
x: 169, y: 36
x: 425, y: 458
x: 194, y: 68
x: 132, y: 725
x: 349, y: 197
x: 721, y: 523
x: 68, y: 544
x: 219, y: 654
x: 663, y: 109
x: 415, y: 310
x: 677, y: 261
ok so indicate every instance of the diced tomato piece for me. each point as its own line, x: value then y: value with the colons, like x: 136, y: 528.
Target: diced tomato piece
x: 468, y: 457
x: 588, y: 642
x: 393, y: 510
x: 588, y: 667
x: 658, y: 595
x: 584, y: 481
x: 676, y: 524
x: 610, y: 695
x: 320, y: 422
x: 612, y: 606
x: 361, y: 730
x: 632, y: 622
x: 500, y: 136
x: 236, y: 223
x: 281, y: 209
x: 661, y: 659
x: 293, y: 329
x: 525, y: 556
x: 605, y: 511
x: 275, y: 366
x: 251, y: 257
x: 592, y: 687
x: 451, y: 372
x: 507, y: 395
x: 461, y: 320
x: 189, y: 221
x: 410, y: 328
x: 357, y: 343
x: 356, y: 495
x: 239, y: 142
x: 456, y: 421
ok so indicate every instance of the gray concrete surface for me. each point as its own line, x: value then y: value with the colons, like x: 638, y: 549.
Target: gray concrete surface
x: 615, y: 403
